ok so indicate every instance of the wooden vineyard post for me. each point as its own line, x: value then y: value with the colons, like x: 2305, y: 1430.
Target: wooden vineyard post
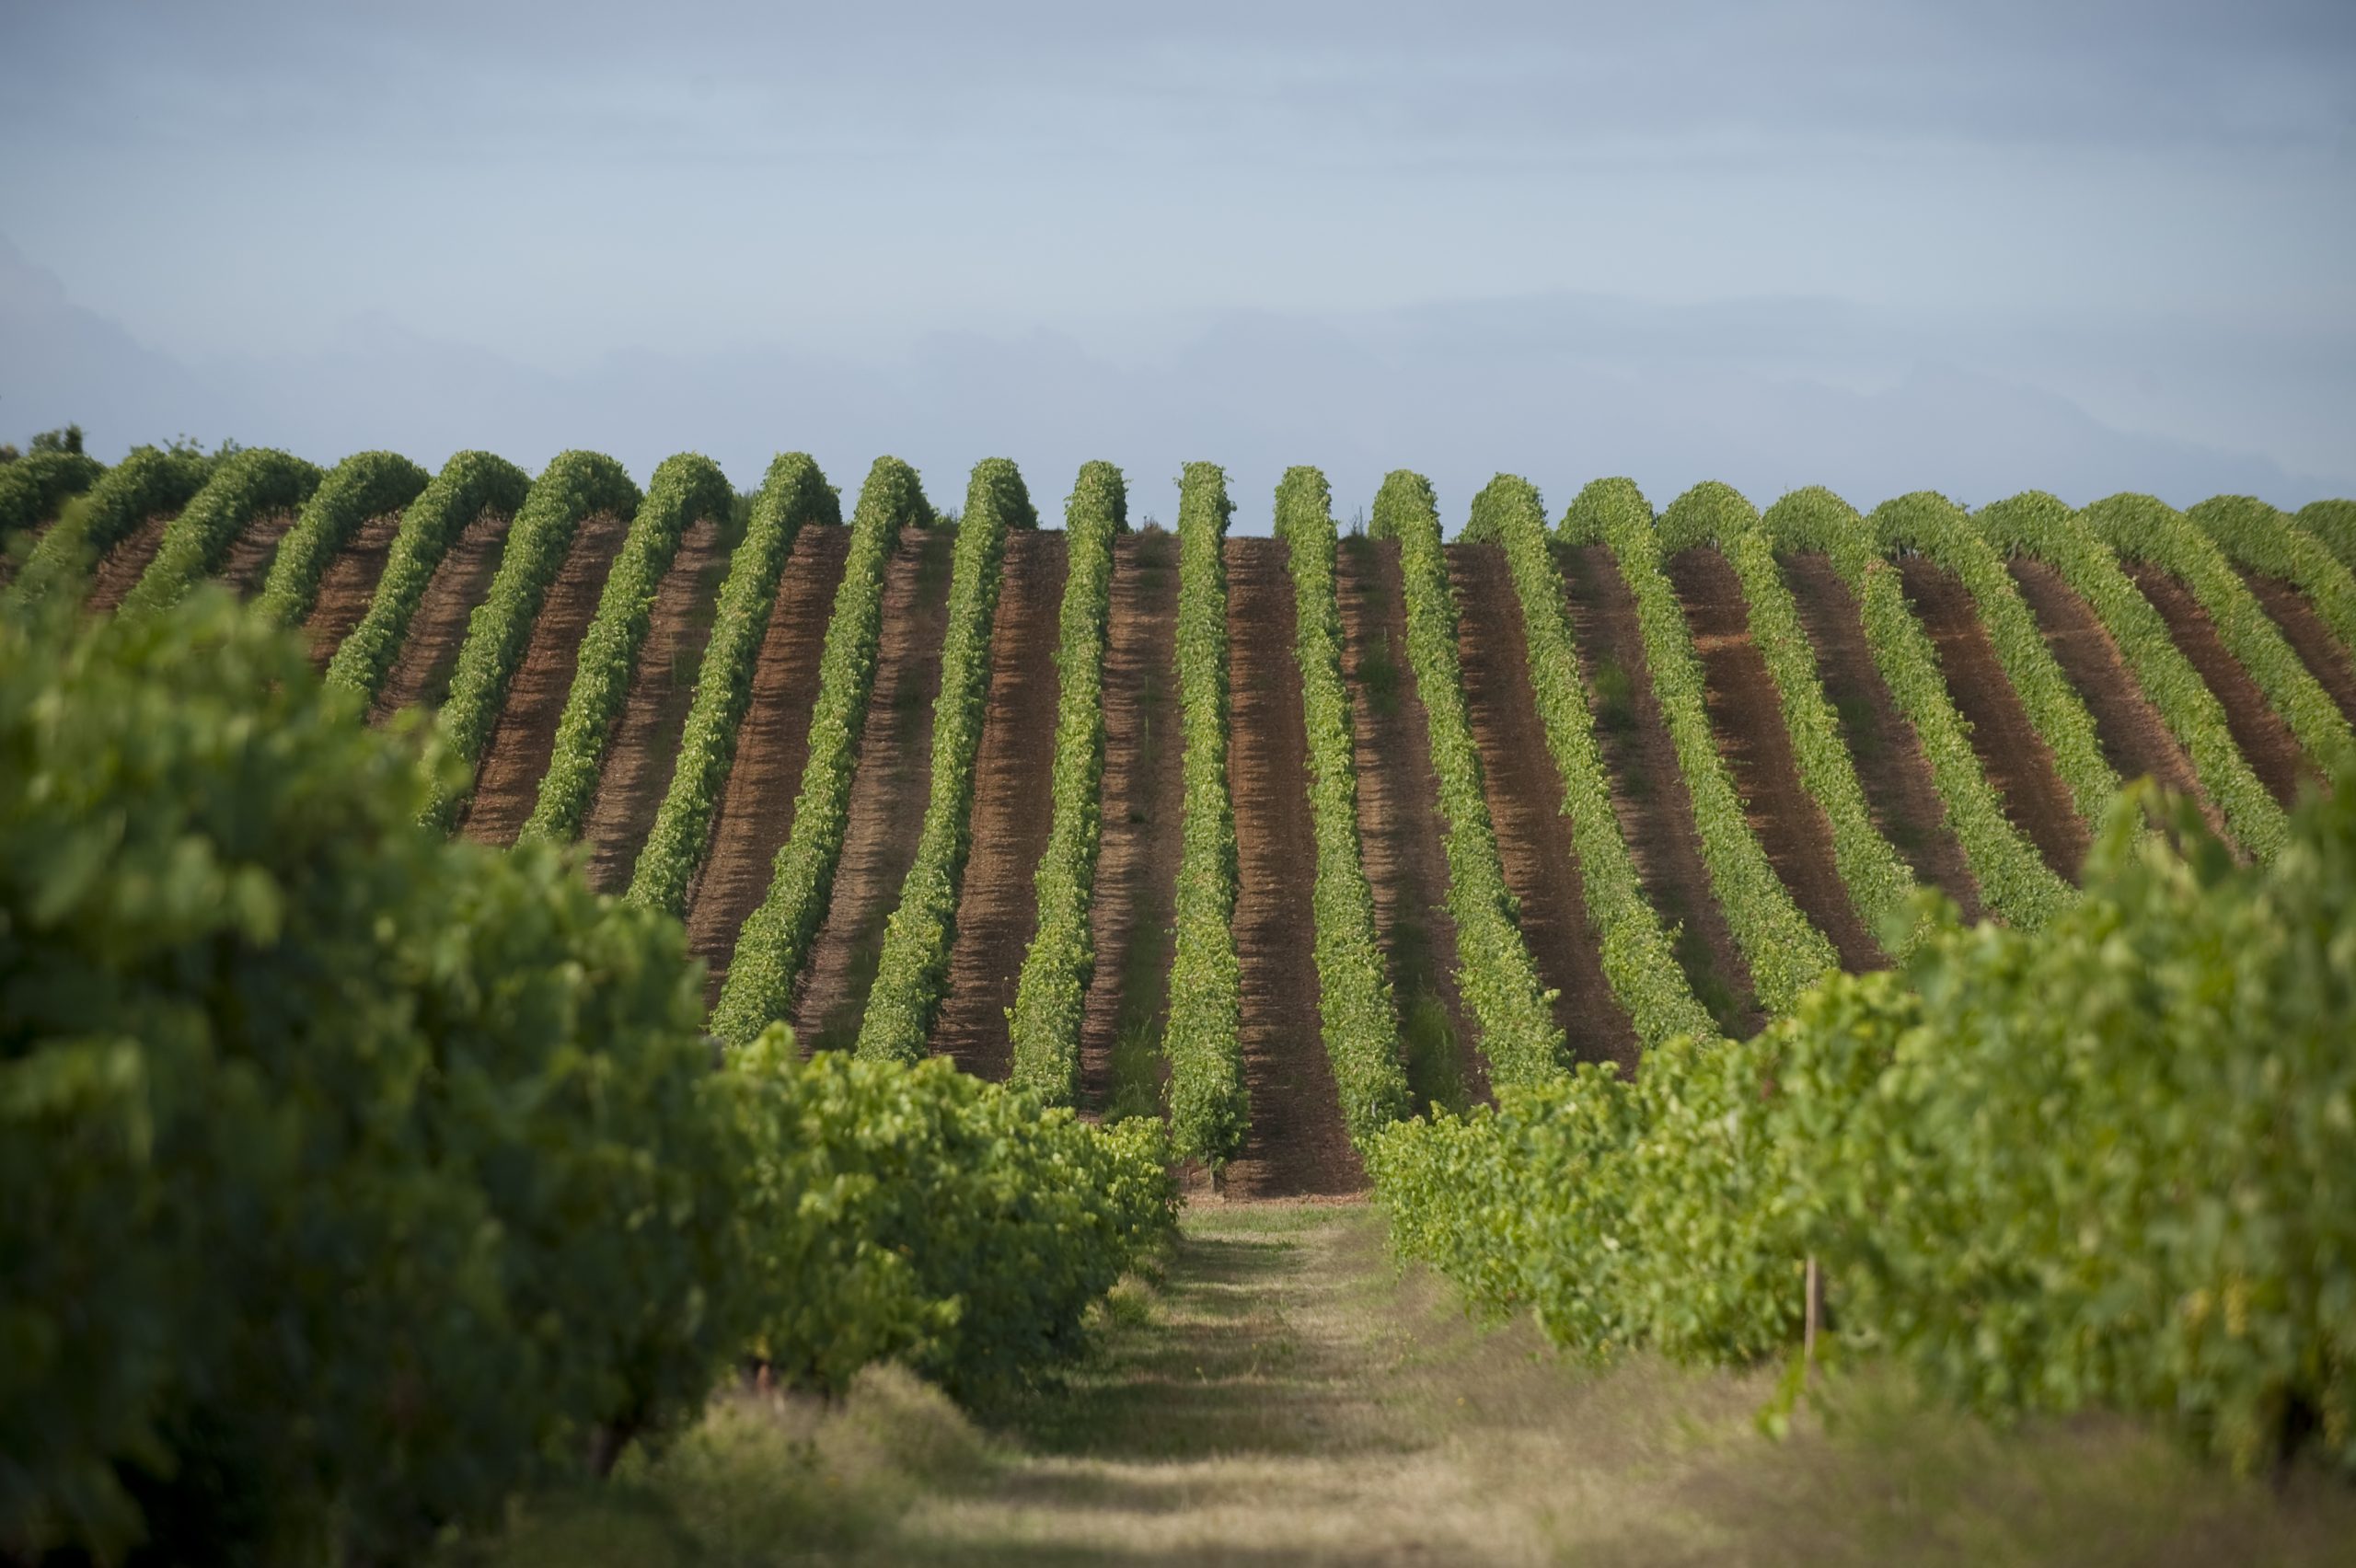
x: 1815, y: 1310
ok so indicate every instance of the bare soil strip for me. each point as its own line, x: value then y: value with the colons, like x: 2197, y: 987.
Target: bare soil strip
x: 120, y: 568
x: 887, y: 792
x: 438, y: 628
x: 2273, y: 752
x: 645, y: 743
x: 1525, y: 796
x: 1747, y: 715
x: 250, y: 553
x: 2134, y: 737
x: 1141, y: 797
x: 2325, y: 657
x: 1399, y: 827
x: 755, y: 811
x: 507, y: 784
x: 349, y: 586
x: 998, y: 907
x: 1295, y: 1145
x: 1649, y: 791
x: 2011, y: 752
x: 1888, y: 757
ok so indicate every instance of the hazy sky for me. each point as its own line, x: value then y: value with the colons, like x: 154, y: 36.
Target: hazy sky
x: 1973, y: 246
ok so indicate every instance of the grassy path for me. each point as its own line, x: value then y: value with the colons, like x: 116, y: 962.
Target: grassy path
x: 1275, y: 1393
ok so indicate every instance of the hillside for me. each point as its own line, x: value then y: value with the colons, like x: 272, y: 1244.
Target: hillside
x: 1737, y: 740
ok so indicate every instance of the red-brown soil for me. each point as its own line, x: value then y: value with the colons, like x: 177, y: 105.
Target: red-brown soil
x: 250, y: 553
x: 887, y: 794
x: 437, y: 628
x: 121, y: 567
x: 2325, y: 657
x: 349, y: 586
x: 507, y: 785
x: 1142, y: 800
x: 2134, y: 737
x: 1888, y: 754
x: 1297, y: 1143
x: 1399, y: 827
x: 644, y: 746
x: 998, y: 907
x: 2273, y: 752
x: 1648, y: 790
x: 1747, y: 714
x: 1525, y: 796
x: 2014, y: 755
x: 756, y: 812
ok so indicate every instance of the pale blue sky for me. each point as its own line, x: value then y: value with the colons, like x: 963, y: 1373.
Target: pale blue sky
x: 1972, y: 246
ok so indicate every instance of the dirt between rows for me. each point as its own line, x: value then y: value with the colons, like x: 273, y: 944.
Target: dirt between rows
x: 1888, y: 754
x: 1648, y: 792
x: 1524, y: 790
x: 998, y: 907
x: 251, y: 552
x: 2134, y: 738
x: 1296, y: 1143
x: 887, y: 794
x: 2325, y: 657
x: 754, y: 815
x: 437, y: 628
x: 2013, y: 754
x: 507, y: 782
x: 1142, y: 800
x: 2273, y: 752
x: 1747, y: 714
x: 1398, y: 828
x: 349, y: 586
x: 122, y: 566
x: 644, y: 746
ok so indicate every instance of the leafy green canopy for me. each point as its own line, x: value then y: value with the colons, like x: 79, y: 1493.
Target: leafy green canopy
x: 369, y: 1167
x: 2109, y: 1163
x: 379, y: 1176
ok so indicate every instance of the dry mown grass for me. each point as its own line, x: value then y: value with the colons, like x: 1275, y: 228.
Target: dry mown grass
x: 1277, y: 1394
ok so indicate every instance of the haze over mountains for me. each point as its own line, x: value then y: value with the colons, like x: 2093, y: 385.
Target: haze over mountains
x: 1764, y: 393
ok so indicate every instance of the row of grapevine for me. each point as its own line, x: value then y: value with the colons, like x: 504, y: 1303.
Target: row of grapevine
x: 2140, y: 528
x: 793, y: 495
x: 34, y: 486
x: 776, y: 937
x: 470, y: 484
x: 1208, y: 1106
x: 2014, y: 881
x: 685, y: 488
x: 1359, y: 1015
x: 914, y: 965
x: 241, y: 489
x: 570, y: 487
x: 1880, y: 885
x: 2035, y: 524
x: 2255, y: 535
x: 365, y: 485
x: 1785, y: 954
x: 1948, y: 536
x: 2333, y: 522
x: 417, y: 1150
x: 1050, y: 997
x: 151, y: 480
x: 1968, y: 1150
x: 1639, y: 959
x: 1497, y: 974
